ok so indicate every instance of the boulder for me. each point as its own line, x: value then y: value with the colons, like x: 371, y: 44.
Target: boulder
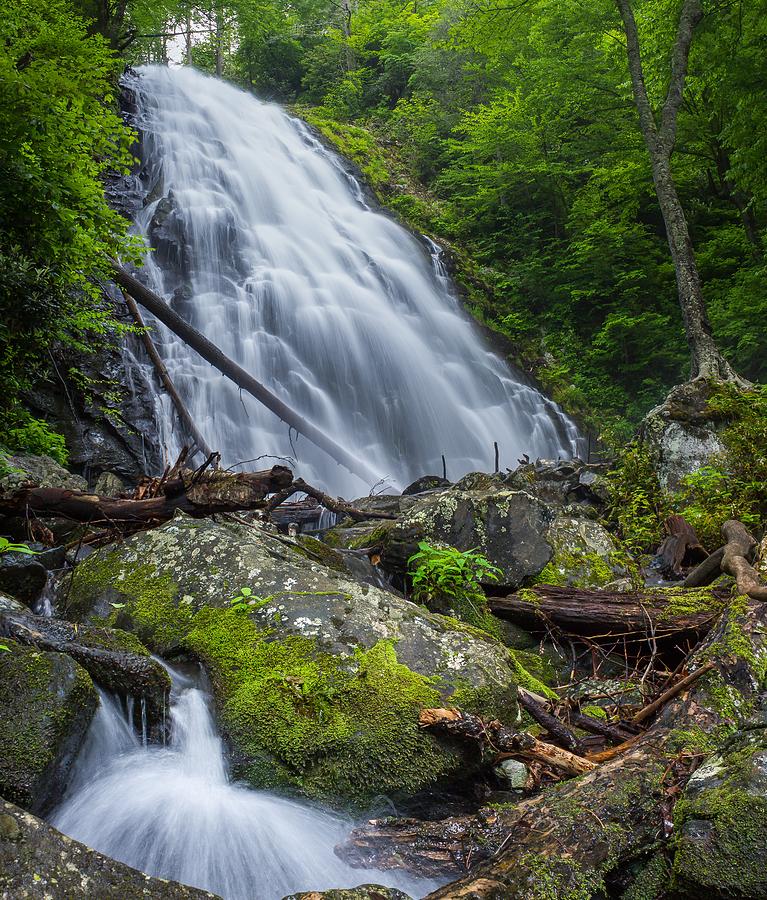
x: 425, y: 483
x: 42, y: 470
x: 682, y: 433
x: 363, y: 892
x: 318, y: 678
x: 46, y: 703
x: 39, y: 863
x: 562, y: 482
x: 720, y: 823
x: 22, y: 576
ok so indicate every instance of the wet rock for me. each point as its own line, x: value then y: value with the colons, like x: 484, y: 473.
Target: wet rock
x: 22, y: 576
x: 319, y: 680
x: 39, y: 863
x: 363, y: 892
x: 46, y: 703
x: 10, y: 604
x: 109, y: 484
x: 507, y: 526
x: 425, y: 483
x: 39, y: 470
x: 514, y: 773
x: 562, y: 482
x: 682, y: 433
x: 720, y: 848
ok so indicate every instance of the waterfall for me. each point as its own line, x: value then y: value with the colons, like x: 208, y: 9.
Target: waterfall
x: 172, y: 812
x: 265, y: 243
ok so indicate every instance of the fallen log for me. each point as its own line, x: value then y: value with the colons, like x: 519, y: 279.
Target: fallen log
x: 585, y: 834
x: 502, y: 739
x: 213, y: 492
x: 210, y: 352
x: 116, y: 669
x: 604, y: 613
x: 162, y: 373
x: 341, y: 507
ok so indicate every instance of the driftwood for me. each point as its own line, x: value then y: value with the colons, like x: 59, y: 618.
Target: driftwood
x: 680, y: 549
x: 210, y: 352
x: 502, y: 739
x: 115, y: 669
x: 204, y: 495
x: 332, y: 503
x: 603, y: 613
x: 586, y: 829
x: 162, y: 373
x: 732, y: 559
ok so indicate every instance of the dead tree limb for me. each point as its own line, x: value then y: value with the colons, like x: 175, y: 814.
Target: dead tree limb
x: 739, y: 547
x: 675, y: 689
x: 498, y: 737
x: 183, y: 413
x: 214, y: 492
x: 554, y: 726
x: 707, y: 572
x: 603, y: 613
x: 210, y: 352
x: 332, y: 503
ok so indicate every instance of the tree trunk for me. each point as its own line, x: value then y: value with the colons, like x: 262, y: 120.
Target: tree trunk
x: 214, y: 492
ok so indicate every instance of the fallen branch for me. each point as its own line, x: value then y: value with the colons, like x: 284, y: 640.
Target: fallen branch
x: 554, y: 726
x: 332, y: 503
x: 213, y: 492
x: 502, y: 739
x: 210, y: 352
x: 675, y: 689
x: 740, y: 545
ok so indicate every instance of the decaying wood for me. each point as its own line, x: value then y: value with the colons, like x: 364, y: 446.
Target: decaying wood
x: 502, y: 739
x: 332, y: 503
x: 739, y: 547
x: 675, y: 689
x: 555, y: 727
x: 681, y: 548
x: 212, y: 492
x: 210, y: 352
x: 732, y: 559
x: 618, y: 734
x: 598, y: 613
x: 162, y: 373
x: 582, y: 829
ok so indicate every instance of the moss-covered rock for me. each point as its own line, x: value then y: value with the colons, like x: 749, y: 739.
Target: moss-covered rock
x: 46, y: 703
x: 720, y: 849
x: 39, y: 863
x: 363, y: 892
x: 320, y: 679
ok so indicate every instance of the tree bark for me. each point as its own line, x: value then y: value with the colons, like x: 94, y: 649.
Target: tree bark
x: 740, y: 545
x: 213, y: 492
x: 208, y: 351
x: 600, y: 613
x: 706, y: 359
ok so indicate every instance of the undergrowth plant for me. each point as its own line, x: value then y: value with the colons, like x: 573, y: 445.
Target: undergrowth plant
x: 450, y: 580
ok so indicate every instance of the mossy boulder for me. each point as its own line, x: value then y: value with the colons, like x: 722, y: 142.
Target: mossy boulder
x: 39, y: 863
x: 363, y: 892
x: 720, y: 849
x: 584, y: 554
x: 46, y: 704
x: 318, y: 681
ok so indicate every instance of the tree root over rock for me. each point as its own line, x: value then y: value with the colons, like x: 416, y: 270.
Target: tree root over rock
x: 577, y: 839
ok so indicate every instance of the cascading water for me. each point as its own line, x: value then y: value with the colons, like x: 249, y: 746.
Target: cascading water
x: 265, y: 244
x: 172, y: 812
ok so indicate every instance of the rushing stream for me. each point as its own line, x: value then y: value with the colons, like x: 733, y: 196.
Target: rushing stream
x: 172, y: 811
x: 265, y: 243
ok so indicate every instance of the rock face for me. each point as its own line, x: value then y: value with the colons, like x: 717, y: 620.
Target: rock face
x: 43, y: 471
x: 46, y: 703
x: 319, y: 679
x: 36, y: 861
x: 721, y: 823
x: 681, y: 434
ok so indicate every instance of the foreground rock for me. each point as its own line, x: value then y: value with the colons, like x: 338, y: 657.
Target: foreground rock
x: 46, y: 703
x: 320, y: 678
x: 363, y: 892
x: 36, y: 861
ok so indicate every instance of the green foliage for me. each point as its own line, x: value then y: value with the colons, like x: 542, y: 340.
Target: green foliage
x: 7, y: 546
x: 637, y: 505
x: 245, y: 600
x: 446, y: 579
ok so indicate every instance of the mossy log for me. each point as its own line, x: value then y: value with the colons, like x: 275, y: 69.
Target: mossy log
x: 114, y: 659
x: 199, y: 495
x: 603, y: 613
x: 579, y: 839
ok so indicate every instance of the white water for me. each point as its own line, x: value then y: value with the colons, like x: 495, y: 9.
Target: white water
x: 172, y: 812
x: 335, y: 307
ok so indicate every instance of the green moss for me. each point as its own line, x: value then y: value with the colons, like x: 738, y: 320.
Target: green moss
x: 688, y: 602
x: 557, y: 878
x: 577, y: 569
x: 373, y: 538
x: 532, y: 672
x: 652, y: 880
x: 334, y: 727
x: 320, y: 552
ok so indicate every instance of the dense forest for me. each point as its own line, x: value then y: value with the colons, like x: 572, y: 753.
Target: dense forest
x: 529, y: 660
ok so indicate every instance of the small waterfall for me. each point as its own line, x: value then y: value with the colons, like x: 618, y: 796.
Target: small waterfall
x: 264, y: 242
x: 172, y: 812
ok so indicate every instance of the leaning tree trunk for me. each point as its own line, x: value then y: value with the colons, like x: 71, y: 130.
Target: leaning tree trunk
x: 660, y: 138
x: 579, y: 837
